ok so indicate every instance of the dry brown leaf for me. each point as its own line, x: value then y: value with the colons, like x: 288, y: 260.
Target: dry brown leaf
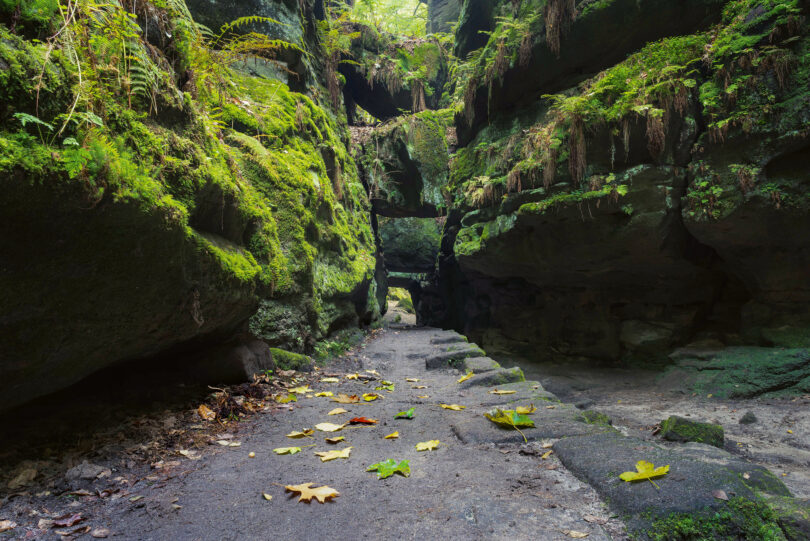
x: 100, y: 533
x: 320, y: 493
x: 595, y: 520
x: 346, y: 399
x: 301, y: 433
x: 206, y: 413
x: 412, y: 380
x: 6, y: 525
x: 419, y: 387
x: 720, y: 494
x: 337, y: 411
x: 575, y: 534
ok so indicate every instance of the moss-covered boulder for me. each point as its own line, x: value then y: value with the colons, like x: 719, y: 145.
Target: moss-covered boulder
x: 680, y: 429
x: 288, y: 360
x: 141, y: 218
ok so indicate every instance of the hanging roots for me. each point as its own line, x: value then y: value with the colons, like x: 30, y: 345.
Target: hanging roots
x: 418, y: 96
x: 559, y: 14
x: 525, y: 50
x: 576, y: 153
x: 656, y: 137
x: 513, y: 181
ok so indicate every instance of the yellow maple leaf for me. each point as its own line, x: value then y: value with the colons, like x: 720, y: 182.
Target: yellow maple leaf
x: 392, y: 436
x: 267, y: 496
x: 329, y: 380
x: 346, y: 399
x: 373, y: 372
x: 645, y: 471
x: 466, y: 376
x: 423, y: 396
x: 427, y: 445
x: 320, y: 493
x: 328, y: 427
x: 525, y: 410
x: 337, y: 411
x: 352, y: 376
x: 496, y: 391
x: 336, y: 439
x: 326, y: 456
x: 546, y: 454
x: 301, y: 389
x: 301, y: 433
x: 454, y: 407
x: 286, y: 450
x: 412, y: 380
x: 325, y: 393
x: 368, y: 397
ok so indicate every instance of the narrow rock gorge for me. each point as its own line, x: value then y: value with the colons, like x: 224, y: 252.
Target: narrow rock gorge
x: 229, y: 190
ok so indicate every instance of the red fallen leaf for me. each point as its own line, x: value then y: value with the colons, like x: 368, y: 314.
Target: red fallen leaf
x: 66, y: 521
x: 362, y: 421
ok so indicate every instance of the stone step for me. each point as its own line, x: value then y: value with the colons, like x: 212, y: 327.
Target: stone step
x: 448, y: 337
x: 500, y: 376
x: 454, y: 358
x: 478, y: 365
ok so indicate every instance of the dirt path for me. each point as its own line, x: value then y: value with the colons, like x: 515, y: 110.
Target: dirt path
x: 482, y: 482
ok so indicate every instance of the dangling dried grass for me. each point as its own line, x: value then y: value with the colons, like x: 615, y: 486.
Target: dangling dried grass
x: 418, y: 96
x: 626, y: 137
x: 469, y: 99
x: 576, y: 150
x: 525, y: 50
x: 501, y: 63
x: 656, y: 136
x: 559, y: 14
x: 513, y: 181
x: 337, y: 181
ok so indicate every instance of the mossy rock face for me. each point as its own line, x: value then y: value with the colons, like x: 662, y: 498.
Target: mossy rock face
x: 287, y: 360
x: 133, y: 231
x: 741, y: 372
x: 682, y: 430
x: 406, y: 165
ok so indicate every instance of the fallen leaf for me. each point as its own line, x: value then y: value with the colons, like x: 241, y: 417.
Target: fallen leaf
x: 6, y: 525
x: 546, y: 455
x: 496, y: 391
x: 368, y: 397
x: 418, y: 386
x: 251, y: 455
x: 645, y: 470
x: 189, y: 454
x: 328, y: 427
x: 45, y: 524
x: 525, y: 410
x: 454, y: 407
x: 389, y: 467
x: 330, y: 380
x: 789, y: 431
x: 407, y: 414
x: 226, y: 443
x: 301, y: 433
x: 326, y: 456
x: 510, y: 419
x: 362, y: 421
x: 286, y: 399
x: 412, y: 380
x: 100, y: 533
x: 546, y: 445
x: 466, y: 376
x: 325, y: 393
x: 746, y: 476
x: 392, y: 436
x: 595, y: 520
x: 424, y: 396
x: 373, y: 372
x: 427, y: 445
x: 550, y: 407
x: 336, y: 439
x: 81, y: 530
x: 575, y: 534
x: 135, y: 498
x: 206, y: 413
x: 389, y: 388
x: 286, y: 450
x: 337, y: 411
x: 720, y: 494
x: 266, y: 496
x: 66, y: 521
x: 352, y: 376
x: 346, y: 399
x: 321, y: 493
x: 301, y: 389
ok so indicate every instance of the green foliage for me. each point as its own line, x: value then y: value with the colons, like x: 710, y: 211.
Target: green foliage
x: 402, y: 18
x: 737, y: 519
x: 408, y: 414
x: 389, y: 467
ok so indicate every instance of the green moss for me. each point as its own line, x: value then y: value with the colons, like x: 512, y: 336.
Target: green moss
x: 683, y: 430
x: 737, y: 519
x: 593, y: 417
x: 287, y: 360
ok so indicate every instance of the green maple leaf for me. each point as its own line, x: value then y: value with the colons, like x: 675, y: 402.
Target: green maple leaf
x: 405, y: 414
x: 389, y: 467
x: 389, y: 387
x: 510, y: 419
